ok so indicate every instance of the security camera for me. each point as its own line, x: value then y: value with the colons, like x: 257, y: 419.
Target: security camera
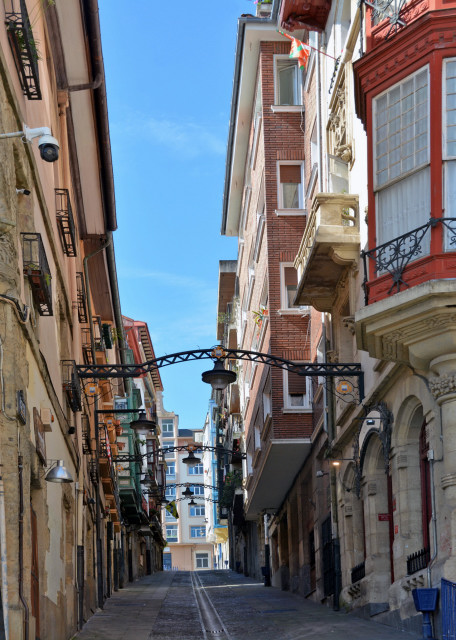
x: 48, y: 146
x: 23, y: 192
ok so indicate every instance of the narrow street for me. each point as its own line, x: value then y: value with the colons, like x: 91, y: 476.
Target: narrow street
x: 222, y: 604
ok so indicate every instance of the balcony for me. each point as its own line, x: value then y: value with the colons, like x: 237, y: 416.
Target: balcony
x: 410, y: 296
x: 65, y: 222
x: 329, y: 247
x: 71, y: 385
x: 81, y: 298
x: 23, y: 47
x: 304, y: 14
x: 36, y: 268
x: 85, y: 434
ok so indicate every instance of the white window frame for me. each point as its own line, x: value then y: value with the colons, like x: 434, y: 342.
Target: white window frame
x: 194, y: 470
x: 202, y: 560
x: 199, y: 507
x: 169, y: 472
x: 298, y: 106
x: 170, y: 492
x: 281, y: 211
x: 194, y: 528
x: 449, y: 161
x: 375, y: 100
x: 167, y: 423
x: 174, y: 527
x: 306, y: 407
x: 284, y: 308
x: 256, y: 137
x: 197, y: 490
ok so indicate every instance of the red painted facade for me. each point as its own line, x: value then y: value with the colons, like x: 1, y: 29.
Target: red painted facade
x: 427, y: 40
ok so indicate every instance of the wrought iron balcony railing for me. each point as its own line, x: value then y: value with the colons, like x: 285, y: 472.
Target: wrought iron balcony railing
x: 71, y: 385
x: 65, y: 221
x: 85, y: 429
x: 81, y: 298
x: 358, y: 572
x: 394, y: 256
x: 23, y: 47
x: 417, y: 561
x: 36, y: 268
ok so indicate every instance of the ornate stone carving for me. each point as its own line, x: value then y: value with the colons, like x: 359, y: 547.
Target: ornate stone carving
x: 349, y: 323
x: 339, y: 144
x: 448, y: 480
x: 442, y: 385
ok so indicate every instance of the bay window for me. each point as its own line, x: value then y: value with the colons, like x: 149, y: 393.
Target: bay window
x: 401, y: 158
x: 449, y: 143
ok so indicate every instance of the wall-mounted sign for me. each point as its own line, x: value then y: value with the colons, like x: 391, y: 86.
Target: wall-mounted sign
x: 383, y: 517
x: 344, y: 387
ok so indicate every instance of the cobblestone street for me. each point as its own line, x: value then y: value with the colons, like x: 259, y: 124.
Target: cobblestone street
x: 225, y: 605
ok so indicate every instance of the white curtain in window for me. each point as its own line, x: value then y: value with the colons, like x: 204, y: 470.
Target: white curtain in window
x: 404, y: 206
x: 450, y: 200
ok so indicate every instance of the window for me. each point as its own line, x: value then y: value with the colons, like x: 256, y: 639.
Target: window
x: 168, y: 445
x: 196, y: 469
x: 198, y: 490
x: 167, y: 427
x: 401, y: 157
x: 290, y: 185
x: 198, y: 510
x: 287, y: 82
x: 449, y: 143
x: 289, y: 285
x: 198, y: 532
x: 296, y: 392
x: 171, y: 470
x: 169, y: 517
x: 202, y: 560
x: 171, y: 533
x: 167, y: 562
x: 170, y: 492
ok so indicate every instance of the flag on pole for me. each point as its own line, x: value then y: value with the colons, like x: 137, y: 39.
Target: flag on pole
x: 300, y: 51
x: 172, y: 509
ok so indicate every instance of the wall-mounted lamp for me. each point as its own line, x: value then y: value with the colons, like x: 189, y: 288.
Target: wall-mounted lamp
x: 370, y: 421
x: 188, y: 493
x: 192, y: 503
x: 321, y: 473
x: 57, y: 472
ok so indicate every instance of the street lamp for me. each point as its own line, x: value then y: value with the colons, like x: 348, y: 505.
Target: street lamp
x: 58, y: 473
x: 218, y: 377
x: 142, y: 426
x: 188, y: 493
x: 191, y: 459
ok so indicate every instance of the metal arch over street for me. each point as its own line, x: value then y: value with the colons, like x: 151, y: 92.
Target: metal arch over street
x: 327, y: 369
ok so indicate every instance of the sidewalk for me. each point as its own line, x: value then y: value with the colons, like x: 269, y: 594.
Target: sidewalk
x: 163, y: 607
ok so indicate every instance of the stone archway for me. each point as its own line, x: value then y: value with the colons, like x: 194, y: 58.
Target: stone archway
x: 376, y: 494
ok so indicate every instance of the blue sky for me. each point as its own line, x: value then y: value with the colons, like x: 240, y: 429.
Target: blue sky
x: 169, y: 71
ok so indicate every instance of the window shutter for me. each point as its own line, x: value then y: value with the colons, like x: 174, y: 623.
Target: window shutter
x: 290, y: 173
x: 291, y: 277
x: 296, y: 384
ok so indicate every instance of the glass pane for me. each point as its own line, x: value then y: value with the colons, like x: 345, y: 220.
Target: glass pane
x: 287, y: 85
x: 290, y: 195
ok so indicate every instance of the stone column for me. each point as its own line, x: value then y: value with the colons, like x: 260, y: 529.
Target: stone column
x: 443, y: 389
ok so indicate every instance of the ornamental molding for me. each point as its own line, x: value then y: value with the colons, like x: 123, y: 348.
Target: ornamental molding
x: 448, y: 480
x: 442, y: 385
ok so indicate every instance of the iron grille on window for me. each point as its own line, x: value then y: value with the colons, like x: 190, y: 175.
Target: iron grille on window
x: 71, y: 385
x: 98, y: 334
x: 358, y: 572
x: 23, y: 47
x: 65, y: 222
x: 81, y: 298
x: 86, y: 346
x: 85, y: 428
x: 36, y: 268
x: 417, y: 561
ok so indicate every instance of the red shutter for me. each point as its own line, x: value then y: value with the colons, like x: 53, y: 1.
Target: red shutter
x: 291, y: 277
x: 290, y: 173
x: 296, y: 384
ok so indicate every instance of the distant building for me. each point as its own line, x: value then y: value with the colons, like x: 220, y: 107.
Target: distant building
x: 187, y: 546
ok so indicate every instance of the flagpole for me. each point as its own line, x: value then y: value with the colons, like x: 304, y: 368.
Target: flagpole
x: 307, y: 45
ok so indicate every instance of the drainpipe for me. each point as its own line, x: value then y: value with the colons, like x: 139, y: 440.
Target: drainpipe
x: 433, y: 518
x: 21, y: 549
x: 3, y: 557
